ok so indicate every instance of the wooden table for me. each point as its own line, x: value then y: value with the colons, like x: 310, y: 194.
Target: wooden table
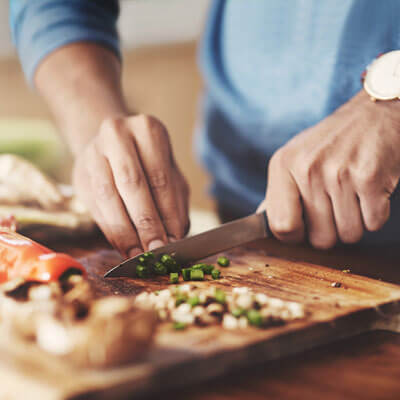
x: 363, y: 367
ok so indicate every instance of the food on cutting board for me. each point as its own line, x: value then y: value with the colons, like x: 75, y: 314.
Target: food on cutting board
x: 149, y: 266
x: 21, y: 257
x: 42, y: 208
x: 45, y: 299
x: 191, y: 305
x: 63, y: 318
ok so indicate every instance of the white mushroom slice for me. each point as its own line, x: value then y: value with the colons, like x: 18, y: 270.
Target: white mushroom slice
x: 244, y: 301
x: 230, y: 322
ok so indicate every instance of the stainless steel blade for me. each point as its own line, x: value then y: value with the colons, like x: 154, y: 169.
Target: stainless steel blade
x: 205, y: 244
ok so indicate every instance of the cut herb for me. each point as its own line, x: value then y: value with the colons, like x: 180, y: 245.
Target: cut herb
x: 179, y: 326
x: 186, y: 274
x: 254, y: 317
x: 220, y: 296
x: 142, y: 271
x: 180, y: 298
x: 216, y: 273
x: 170, y: 263
x: 160, y: 269
x: 174, y: 277
x: 193, y: 301
x: 208, y: 269
x: 198, y: 266
x: 223, y: 261
x: 238, y: 312
x: 197, y: 275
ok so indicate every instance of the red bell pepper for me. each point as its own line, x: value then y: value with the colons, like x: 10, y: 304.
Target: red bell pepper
x: 21, y: 257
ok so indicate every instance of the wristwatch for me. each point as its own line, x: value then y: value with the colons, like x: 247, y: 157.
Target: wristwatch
x: 382, y: 77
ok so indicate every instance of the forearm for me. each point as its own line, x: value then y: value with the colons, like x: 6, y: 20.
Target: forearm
x: 81, y: 83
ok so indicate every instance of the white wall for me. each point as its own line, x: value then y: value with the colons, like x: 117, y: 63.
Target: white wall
x: 142, y: 22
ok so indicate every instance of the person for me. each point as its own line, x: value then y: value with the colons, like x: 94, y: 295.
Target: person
x: 283, y: 90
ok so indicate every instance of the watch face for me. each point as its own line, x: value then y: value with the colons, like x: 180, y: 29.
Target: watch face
x: 383, y: 77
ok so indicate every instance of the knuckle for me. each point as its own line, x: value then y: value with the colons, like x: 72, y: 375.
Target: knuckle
x: 158, y: 179
x: 367, y: 180
x: 151, y: 125
x: 146, y: 222
x: 307, y: 170
x: 105, y: 190
x: 336, y: 175
x: 112, y: 124
x: 128, y: 175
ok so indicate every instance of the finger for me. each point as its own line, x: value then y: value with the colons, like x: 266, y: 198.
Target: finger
x: 347, y: 213
x: 132, y: 185
x: 375, y: 210
x: 154, y: 151
x: 108, y: 209
x: 183, y: 201
x: 283, y: 205
x: 319, y: 218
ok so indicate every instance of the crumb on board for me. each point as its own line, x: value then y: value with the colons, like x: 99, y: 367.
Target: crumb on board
x: 336, y: 284
x: 346, y: 271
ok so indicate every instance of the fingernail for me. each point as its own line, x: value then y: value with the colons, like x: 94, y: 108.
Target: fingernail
x: 171, y: 239
x: 155, y: 244
x: 134, y: 252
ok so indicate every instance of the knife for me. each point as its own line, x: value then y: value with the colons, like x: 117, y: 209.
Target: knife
x: 193, y: 248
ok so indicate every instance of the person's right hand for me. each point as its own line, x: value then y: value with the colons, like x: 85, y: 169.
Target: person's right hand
x: 128, y: 179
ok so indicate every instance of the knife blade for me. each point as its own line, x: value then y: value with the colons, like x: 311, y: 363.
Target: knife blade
x: 193, y: 248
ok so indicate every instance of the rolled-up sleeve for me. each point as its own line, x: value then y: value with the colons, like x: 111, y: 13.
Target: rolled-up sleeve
x: 41, y: 26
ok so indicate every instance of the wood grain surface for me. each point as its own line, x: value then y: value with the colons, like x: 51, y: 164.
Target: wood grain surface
x: 179, y: 358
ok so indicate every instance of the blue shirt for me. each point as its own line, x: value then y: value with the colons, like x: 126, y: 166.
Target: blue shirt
x: 272, y: 68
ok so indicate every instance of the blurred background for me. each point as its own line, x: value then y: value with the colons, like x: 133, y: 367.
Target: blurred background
x: 160, y: 77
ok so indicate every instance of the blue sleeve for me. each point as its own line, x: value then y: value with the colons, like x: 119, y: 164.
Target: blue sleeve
x: 40, y: 26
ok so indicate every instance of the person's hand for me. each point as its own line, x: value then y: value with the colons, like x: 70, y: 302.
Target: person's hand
x: 129, y: 181
x: 335, y: 179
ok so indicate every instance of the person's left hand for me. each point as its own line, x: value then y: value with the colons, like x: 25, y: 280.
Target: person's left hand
x: 334, y: 180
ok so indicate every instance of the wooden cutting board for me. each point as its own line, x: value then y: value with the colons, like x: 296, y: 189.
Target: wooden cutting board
x: 360, y: 304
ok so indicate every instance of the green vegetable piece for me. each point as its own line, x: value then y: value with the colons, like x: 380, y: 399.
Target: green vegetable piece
x: 196, y: 275
x: 186, y: 274
x: 174, y: 277
x: 146, y: 258
x: 160, y: 269
x: 170, y: 263
x: 238, y: 312
x: 223, y: 261
x: 215, y: 273
x: 142, y: 271
x: 254, y: 317
x: 220, y: 296
x: 180, y: 298
x: 179, y: 326
x: 193, y: 301
x: 208, y: 268
x: 198, y: 266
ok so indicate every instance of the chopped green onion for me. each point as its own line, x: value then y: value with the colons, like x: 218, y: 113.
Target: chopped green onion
x: 208, y: 269
x: 196, y: 275
x: 142, y: 271
x: 186, y: 274
x: 223, y: 261
x: 216, y: 273
x: 198, y: 266
x: 170, y: 263
x: 193, y: 301
x: 220, y: 296
x: 238, y: 312
x: 174, y: 277
x: 160, y: 269
x: 180, y: 298
x: 254, y: 317
x: 179, y: 326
